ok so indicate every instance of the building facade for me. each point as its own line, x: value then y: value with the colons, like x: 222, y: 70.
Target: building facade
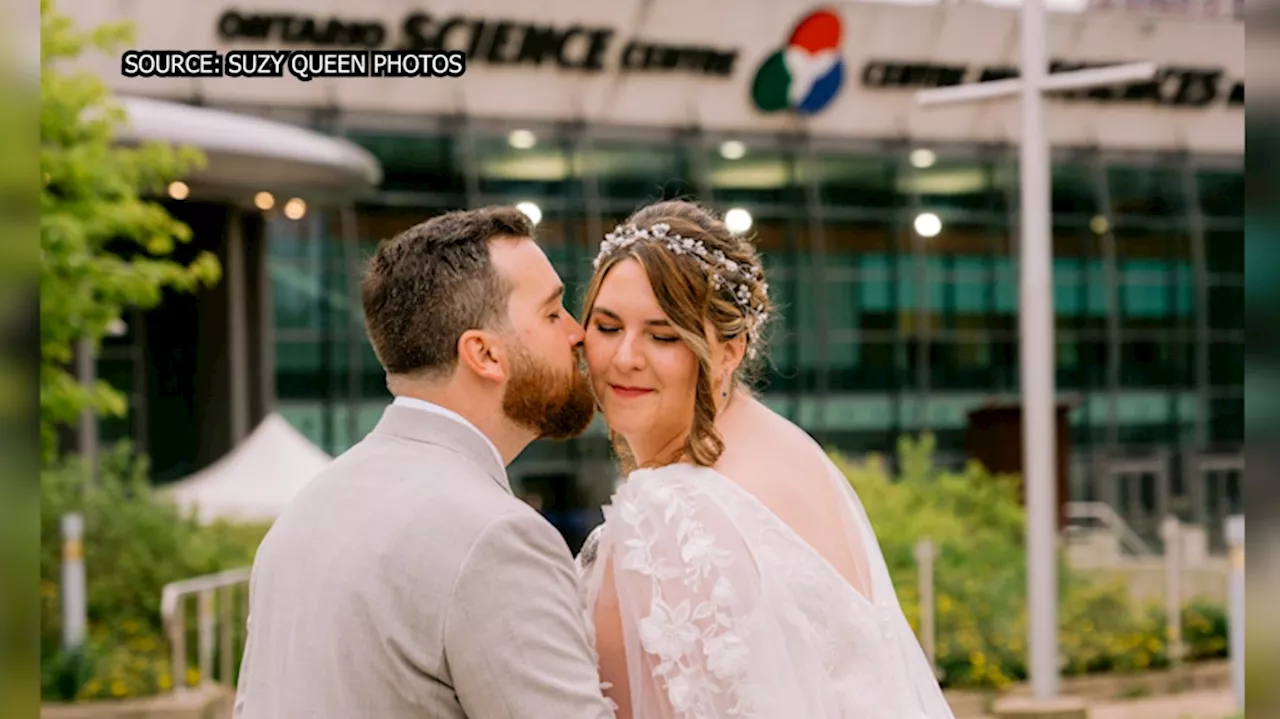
x: 889, y: 230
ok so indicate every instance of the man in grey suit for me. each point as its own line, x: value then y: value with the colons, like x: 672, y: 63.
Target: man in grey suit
x: 406, y: 580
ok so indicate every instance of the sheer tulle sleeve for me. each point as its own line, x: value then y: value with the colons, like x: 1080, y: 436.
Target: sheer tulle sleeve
x: 689, y: 597
x: 709, y: 605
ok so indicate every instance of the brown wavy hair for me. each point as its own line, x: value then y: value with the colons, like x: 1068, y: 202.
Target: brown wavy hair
x: 683, y: 286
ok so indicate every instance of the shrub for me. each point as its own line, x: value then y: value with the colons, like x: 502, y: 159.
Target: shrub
x: 135, y: 542
x: 976, y: 522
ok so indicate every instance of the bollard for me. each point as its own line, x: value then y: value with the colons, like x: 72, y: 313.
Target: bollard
x: 74, y: 617
x: 924, y: 578
x: 1171, y: 533
x: 1235, y: 622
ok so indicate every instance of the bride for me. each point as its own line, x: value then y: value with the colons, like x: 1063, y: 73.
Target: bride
x: 736, y: 573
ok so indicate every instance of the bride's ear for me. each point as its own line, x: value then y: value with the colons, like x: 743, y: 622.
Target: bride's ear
x: 731, y: 354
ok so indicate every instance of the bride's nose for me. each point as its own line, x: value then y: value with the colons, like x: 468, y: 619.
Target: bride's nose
x: 629, y: 355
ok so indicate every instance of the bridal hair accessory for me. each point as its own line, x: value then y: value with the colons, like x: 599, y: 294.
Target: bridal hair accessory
x: 724, y: 271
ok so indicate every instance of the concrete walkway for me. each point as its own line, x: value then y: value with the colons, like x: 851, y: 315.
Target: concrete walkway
x: 1202, y: 704
x: 1212, y: 704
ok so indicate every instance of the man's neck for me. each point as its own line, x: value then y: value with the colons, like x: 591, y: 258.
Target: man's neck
x: 508, y: 438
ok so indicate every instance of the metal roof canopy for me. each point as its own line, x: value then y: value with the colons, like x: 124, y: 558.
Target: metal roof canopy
x: 245, y: 154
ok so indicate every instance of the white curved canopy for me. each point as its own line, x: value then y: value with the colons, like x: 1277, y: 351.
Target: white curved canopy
x: 257, y: 479
x: 248, y: 154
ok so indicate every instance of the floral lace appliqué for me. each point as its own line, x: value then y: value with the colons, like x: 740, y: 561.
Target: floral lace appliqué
x: 691, y: 629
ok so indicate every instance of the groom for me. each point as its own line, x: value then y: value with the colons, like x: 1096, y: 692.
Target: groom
x: 406, y: 580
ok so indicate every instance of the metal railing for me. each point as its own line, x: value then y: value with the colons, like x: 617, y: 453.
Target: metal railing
x: 216, y: 614
x: 1105, y: 515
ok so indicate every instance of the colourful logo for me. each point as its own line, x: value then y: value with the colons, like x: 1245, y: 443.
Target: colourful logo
x: 804, y: 76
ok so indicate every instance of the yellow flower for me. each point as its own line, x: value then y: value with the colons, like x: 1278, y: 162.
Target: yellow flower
x: 164, y: 682
x: 118, y: 689
x: 143, y: 645
x: 130, y: 626
x: 193, y: 677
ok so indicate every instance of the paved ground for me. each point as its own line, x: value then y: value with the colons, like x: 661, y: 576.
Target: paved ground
x: 1213, y: 704
x: 1203, y: 704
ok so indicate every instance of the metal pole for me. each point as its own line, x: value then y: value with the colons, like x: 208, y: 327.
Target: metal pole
x: 1235, y: 638
x: 924, y: 568
x: 1037, y: 365
x: 237, y: 328
x: 74, y: 618
x: 205, y: 628
x: 1171, y: 533
x: 86, y: 374
x: 353, y: 320
x: 226, y: 636
x: 178, y: 647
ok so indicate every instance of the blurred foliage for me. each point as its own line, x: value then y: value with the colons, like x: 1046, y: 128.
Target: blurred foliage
x: 104, y: 247
x: 135, y: 542
x: 19, y: 328
x: 976, y: 523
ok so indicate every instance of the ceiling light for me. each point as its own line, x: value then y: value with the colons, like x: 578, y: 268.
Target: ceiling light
x: 733, y: 150
x: 179, y: 190
x: 738, y: 220
x: 927, y: 224
x: 923, y: 159
x: 264, y: 201
x: 522, y: 139
x: 295, y: 208
x: 530, y: 210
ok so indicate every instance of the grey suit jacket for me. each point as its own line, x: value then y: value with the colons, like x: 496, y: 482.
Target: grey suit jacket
x: 406, y: 581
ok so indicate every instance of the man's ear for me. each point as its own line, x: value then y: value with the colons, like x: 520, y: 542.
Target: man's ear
x: 484, y: 354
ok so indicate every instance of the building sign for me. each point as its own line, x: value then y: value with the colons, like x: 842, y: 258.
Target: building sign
x: 485, y: 41
x: 804, y: 75
x: 1173, y: 86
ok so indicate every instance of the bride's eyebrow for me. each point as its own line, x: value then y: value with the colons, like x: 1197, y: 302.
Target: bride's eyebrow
x: 614, y: 316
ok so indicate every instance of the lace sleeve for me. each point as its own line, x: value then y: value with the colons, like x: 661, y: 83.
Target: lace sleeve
x: 688, y: 590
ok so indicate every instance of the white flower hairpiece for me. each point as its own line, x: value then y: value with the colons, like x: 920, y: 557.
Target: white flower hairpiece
x: 724, y: 272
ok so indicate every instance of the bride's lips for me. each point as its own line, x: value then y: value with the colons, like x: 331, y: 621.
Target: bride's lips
x: 629, y: 392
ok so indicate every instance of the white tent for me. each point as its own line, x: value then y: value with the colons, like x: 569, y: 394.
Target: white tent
x: 254, y: 481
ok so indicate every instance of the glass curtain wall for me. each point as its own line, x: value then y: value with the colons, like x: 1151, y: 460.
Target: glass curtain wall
x: 895, y: 267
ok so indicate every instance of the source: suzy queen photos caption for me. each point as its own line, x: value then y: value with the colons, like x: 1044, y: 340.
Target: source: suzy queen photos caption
x: 304, y: 65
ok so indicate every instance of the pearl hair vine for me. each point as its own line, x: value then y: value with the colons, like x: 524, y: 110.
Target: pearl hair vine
x: 741, y: 279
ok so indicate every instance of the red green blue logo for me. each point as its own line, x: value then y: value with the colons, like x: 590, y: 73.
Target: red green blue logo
x: 805, y: 75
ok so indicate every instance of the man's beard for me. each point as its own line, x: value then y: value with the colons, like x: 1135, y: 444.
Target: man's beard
x: 554, y: 405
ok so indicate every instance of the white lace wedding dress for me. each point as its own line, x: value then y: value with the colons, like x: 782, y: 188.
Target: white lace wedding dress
x: 728, y: 612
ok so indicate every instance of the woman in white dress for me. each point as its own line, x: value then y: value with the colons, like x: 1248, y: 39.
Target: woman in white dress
x: 736, y: 573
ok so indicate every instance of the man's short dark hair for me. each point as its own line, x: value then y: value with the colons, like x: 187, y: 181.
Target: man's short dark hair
x: 427, y: 285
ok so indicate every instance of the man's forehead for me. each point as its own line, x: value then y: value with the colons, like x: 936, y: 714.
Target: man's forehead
x: 524, y: 263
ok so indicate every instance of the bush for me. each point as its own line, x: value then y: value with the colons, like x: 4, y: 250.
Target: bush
x: 976, y: 522
x: 135, y: 542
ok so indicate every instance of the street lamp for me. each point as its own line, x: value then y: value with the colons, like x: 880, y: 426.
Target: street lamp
x: 1036, y: 318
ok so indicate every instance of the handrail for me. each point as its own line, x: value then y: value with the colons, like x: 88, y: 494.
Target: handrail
x: 223, y: 586
x: 1108, y: 516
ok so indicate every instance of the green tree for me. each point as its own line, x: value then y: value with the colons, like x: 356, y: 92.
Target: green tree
x: 105, y: 245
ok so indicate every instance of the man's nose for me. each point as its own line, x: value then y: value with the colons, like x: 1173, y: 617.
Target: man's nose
x: 575, y: 332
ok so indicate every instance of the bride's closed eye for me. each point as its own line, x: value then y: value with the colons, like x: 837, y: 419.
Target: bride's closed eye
x: 609, y: 330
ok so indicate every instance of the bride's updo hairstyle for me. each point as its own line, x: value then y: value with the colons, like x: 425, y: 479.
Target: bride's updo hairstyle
x: 707, y: 280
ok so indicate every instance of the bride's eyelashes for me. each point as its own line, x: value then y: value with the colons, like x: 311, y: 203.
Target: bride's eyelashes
x: 604, y: 330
